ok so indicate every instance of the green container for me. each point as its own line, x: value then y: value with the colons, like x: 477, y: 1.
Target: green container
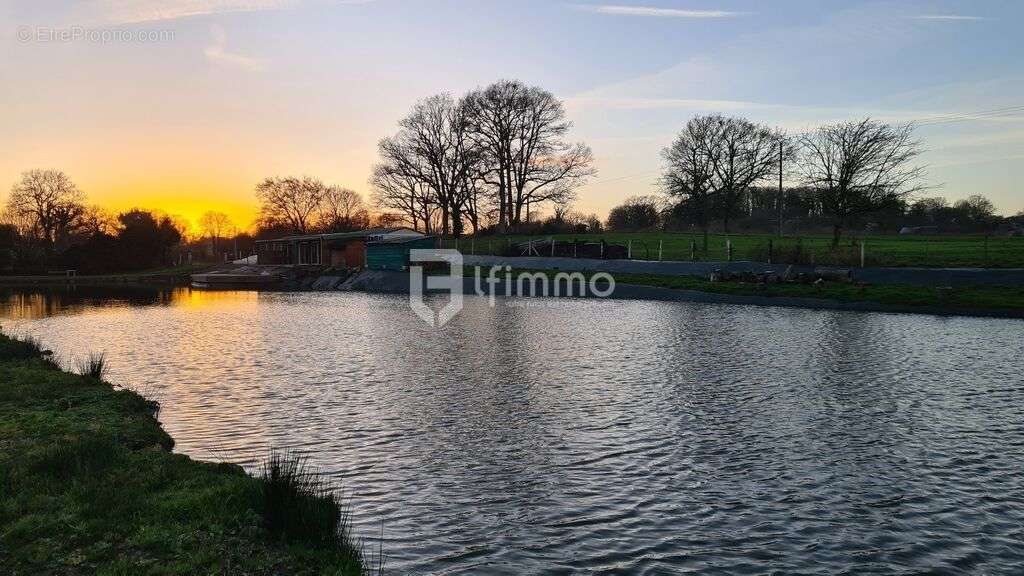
x: 394, y: 254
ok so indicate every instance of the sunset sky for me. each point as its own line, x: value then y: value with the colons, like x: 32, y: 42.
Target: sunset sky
x: 219, y: 94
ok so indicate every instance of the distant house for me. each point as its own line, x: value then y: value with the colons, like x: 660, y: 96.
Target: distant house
x: 338, y: 250
x: 393, y: 253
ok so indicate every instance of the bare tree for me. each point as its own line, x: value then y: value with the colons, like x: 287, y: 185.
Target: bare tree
x: 690, y: 167
x: 477, y: 200
x: 97, y: 220
x: 214, y: 225
x: 743, y: 154
x: 342, y: 210
x: 433, y: 147
x: 290, y: 201
x: 521, y: 132
x: 860, y: 167
x: 48, y: 204
x: 405, y: 193
x: 977, y: 212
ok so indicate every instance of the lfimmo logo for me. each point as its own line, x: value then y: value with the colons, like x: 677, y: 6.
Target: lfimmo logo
x: 498, y: 281
x: 452, y: 283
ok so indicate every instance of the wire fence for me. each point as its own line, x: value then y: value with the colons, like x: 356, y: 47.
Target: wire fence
x: 986, y: 251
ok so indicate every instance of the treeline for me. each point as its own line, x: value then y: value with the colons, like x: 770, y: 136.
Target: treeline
x: 48, y: 224
x: 491, y: 160
x: 860, y: 174
x: 757, y: 212
x: 494, y: 160
x: 306, y: 205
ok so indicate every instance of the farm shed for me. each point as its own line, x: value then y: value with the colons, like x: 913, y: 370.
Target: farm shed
x: 337, y: 250
x: 393, y: 253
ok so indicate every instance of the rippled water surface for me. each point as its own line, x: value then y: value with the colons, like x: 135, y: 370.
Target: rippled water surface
x: 596, y: 437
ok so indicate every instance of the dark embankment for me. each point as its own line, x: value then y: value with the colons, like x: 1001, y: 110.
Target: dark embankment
x: 88, y: 485
x: 982, y: 301
x: 177, y: 276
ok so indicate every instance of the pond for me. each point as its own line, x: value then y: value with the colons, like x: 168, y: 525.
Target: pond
x: 589, y: 436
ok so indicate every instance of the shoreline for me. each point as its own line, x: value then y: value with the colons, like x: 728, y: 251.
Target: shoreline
x: 657, y: 293
x: 918, y: 276
x: 398, y: 283
x: 91, y: 462
x: 902, y: 299
x: 175, y: 276
x: 103, y: 280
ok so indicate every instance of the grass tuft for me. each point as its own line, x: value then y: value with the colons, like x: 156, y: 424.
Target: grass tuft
x: 298, y: 503
x: 95, y: 366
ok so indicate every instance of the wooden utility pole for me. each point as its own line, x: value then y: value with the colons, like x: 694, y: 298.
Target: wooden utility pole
x: 781, y: 144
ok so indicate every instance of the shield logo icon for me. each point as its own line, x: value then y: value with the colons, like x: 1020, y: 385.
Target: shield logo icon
x: 452, y: 283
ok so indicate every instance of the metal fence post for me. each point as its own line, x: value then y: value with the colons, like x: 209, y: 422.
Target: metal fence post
x: 770, y: 247
x: 693, y: 250
x: 861, y: 253
x: 552, y: 240
x: 629, y: 250
x: 661, y: 245
x: 728, y: 250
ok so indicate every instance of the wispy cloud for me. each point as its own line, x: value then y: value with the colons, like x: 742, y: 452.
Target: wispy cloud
x: 217, y: 53
x: 949, y: 18
x: 139, y: 11
x: 634, y: 103
x: 656, y: 12
x: 134, y: 12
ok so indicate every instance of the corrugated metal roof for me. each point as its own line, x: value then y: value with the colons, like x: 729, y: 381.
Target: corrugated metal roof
x: 341, y: 235
x: 399, y: 240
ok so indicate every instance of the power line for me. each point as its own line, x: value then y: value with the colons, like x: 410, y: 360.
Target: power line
x: 996, y: 113
x: 627, y: 177
x: 935, y: 120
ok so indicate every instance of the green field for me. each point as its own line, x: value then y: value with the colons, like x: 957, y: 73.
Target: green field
x: 889, y: 250
x: 990, y: 300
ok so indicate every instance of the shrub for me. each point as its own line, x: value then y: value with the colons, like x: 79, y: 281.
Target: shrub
x: 298, y: 504
x: 95, y: 366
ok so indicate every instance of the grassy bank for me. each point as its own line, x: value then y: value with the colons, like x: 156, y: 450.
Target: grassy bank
x: 966, y: 299
x: 1008, y: 299
x: 880, y: 250
x: 88, y: 485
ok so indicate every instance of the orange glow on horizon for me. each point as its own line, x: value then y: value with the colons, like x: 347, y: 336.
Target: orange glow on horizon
x: 186, y: 201
x: 242, y: 217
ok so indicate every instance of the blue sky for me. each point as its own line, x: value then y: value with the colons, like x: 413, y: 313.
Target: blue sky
x: 242, y: 89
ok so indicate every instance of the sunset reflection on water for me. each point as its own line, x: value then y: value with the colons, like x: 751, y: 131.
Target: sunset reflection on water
x: 625, y: 436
